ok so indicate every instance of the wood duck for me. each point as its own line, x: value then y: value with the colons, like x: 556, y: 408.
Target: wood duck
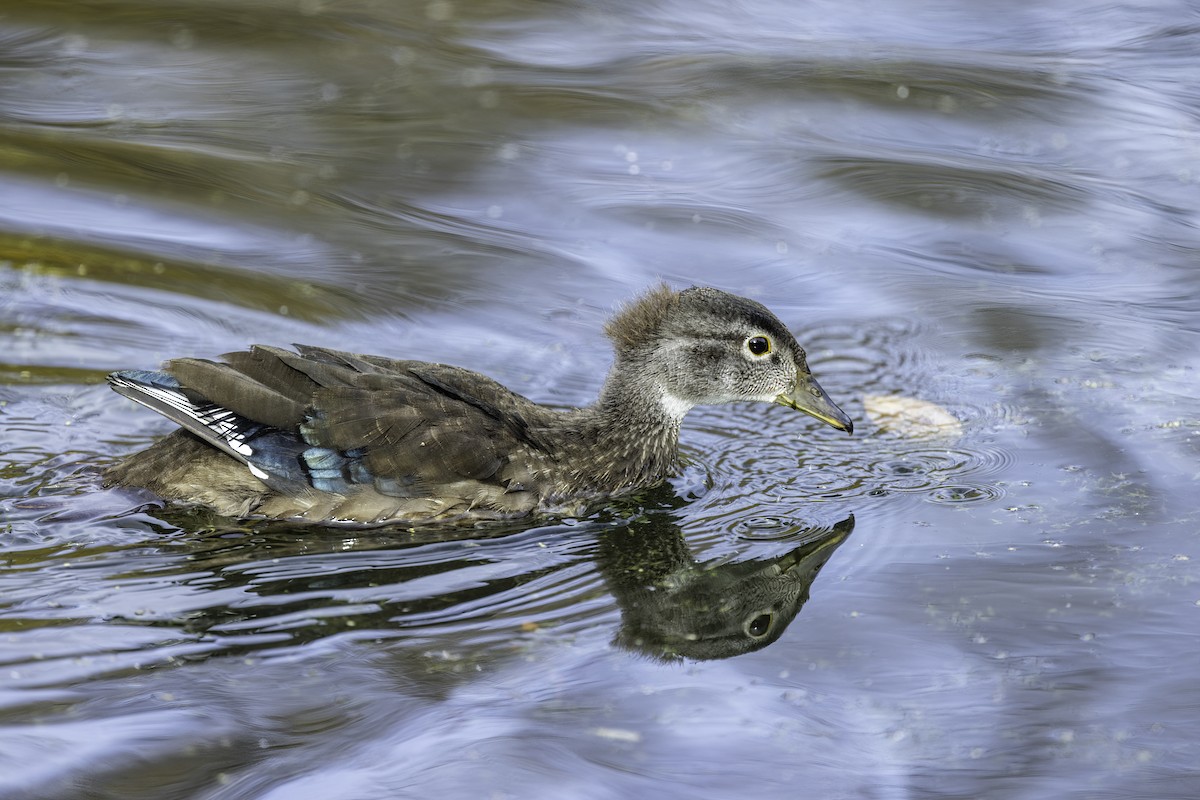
x: 329, y: 437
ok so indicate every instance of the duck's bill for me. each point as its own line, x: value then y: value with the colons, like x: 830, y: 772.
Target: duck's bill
x: 809, y: 397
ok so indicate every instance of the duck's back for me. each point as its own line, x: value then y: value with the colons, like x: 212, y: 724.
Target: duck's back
x: 330, y: 436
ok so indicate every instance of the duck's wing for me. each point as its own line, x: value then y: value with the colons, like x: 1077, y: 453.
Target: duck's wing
x: 416, y: 426
x: 338, y: 422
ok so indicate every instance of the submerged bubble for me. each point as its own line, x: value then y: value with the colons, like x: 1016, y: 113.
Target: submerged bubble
x: 911, y: 418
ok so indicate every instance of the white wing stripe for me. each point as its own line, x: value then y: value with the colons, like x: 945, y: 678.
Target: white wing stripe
x: 220, y: 421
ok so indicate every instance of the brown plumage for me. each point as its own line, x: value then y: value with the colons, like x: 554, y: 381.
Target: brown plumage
x: 333, y: 437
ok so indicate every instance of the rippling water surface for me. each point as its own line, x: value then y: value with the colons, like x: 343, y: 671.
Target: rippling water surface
x: 990, y: 209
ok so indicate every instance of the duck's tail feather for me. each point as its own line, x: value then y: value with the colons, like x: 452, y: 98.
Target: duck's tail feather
x: 159, y: 391
x: 274, y: 456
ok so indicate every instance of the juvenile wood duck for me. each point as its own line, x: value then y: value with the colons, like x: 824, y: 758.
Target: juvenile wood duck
x: 330, y: 437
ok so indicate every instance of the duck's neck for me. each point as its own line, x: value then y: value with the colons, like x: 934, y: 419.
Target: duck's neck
x: 629, y: 438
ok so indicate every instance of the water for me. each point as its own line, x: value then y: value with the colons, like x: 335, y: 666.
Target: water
x: 989, y: 209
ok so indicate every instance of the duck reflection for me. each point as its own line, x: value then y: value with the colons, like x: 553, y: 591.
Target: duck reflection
x: 478, y: 594
x: 674, y: 607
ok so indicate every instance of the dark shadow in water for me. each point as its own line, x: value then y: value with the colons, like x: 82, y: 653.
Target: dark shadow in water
x: 482, y: 592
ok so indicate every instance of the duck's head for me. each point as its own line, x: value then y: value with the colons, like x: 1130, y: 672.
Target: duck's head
x: 703, y: 346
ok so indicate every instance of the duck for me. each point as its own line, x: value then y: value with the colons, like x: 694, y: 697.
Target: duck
x: 322, y: 436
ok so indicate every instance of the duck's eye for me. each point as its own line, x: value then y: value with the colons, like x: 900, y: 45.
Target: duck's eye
x: 759, y: 626
x: 758, y: 345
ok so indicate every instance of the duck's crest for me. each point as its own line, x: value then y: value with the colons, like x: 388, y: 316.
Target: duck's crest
x: 636, y: 322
